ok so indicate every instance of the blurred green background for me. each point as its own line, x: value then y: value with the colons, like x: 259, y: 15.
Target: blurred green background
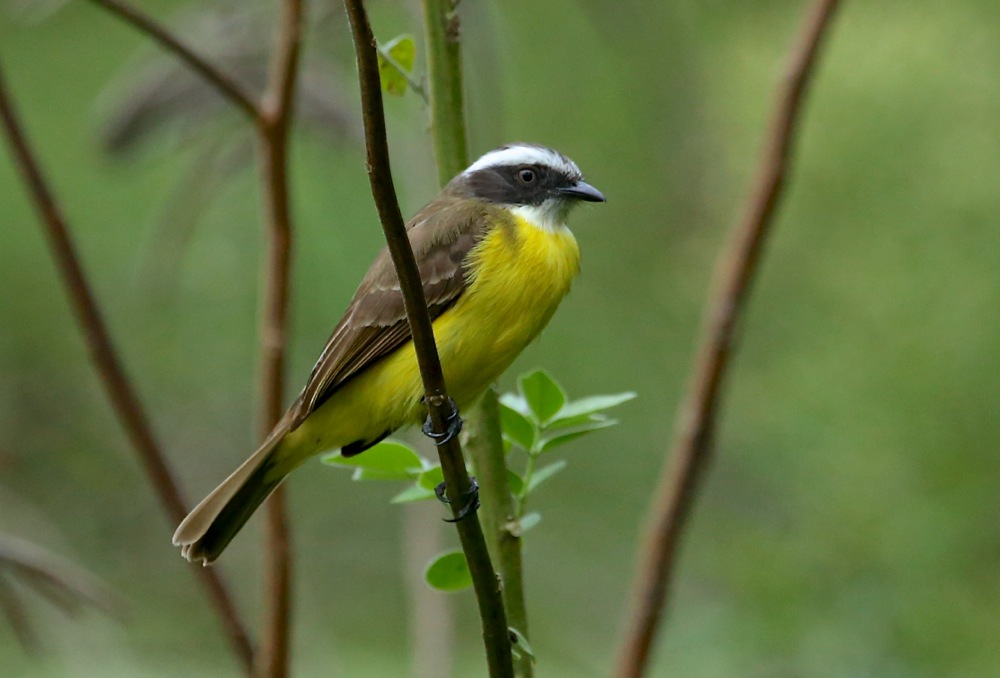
x: 850, y: 525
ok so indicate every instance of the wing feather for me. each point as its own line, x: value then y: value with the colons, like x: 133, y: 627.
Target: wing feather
x: 442, y: 235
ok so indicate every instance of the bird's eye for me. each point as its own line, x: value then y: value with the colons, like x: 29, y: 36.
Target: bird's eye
x: 526, y: 175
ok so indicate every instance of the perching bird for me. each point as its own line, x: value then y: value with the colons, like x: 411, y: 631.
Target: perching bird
x: 495, y: 258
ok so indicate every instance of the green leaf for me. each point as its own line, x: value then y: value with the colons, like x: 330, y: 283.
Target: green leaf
x: 516, y: 403
x: 401, y: 51
x: 544, y: 395
x: 448, y: 572
x: 413, y: 493
x: 591, y: 405
x: 525, y: 523
x: 519, y: 643
x: 516, y: 427
x: 388, y: 460
x: 515, y: 482
x: 560, y: 422
x: 544, y: 473
x: 431, y: 478
x: 562, y: 438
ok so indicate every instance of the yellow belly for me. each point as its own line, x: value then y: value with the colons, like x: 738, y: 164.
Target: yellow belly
x: 520, y: 274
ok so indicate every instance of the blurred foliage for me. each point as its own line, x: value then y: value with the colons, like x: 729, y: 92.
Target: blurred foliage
x: 850, y: 523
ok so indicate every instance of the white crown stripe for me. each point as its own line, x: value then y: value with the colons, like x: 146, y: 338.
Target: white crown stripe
x: 525, y: 155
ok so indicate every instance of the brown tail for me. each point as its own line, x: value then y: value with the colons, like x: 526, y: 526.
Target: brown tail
x: 212, y: 524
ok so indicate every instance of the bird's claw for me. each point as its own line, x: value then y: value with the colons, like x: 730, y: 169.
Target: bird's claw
x: 471, y: 497
x: 453, y: 424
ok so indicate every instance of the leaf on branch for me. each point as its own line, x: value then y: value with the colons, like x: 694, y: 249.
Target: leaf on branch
x: 515, y: 482
x: 449, y: 572
x: 557, y: 439
x: 590, y: 405
x: 389, y: 460
x: 519, y: 644
x: 413, y: 493
x: 524, y: 523
x: 395, y: 63
x: 544, y: 395
x: 516, y: 427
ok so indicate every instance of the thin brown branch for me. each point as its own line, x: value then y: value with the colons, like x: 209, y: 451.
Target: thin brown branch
x: 144, y: 23
x: 274, y: 128
x: 485, y: 582
x: 109, y: 367
x: 697, y: 417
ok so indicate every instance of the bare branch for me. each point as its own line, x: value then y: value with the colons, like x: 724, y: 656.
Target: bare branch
x: 696, y: 419
x: 491, y: 609
x: 144, y: 23
x: 274, y: 128
x: 109, y: 366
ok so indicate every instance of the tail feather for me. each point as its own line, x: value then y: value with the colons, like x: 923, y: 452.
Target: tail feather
x: 212, y: 524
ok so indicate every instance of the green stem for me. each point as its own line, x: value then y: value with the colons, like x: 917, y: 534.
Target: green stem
x: 500, y: 509
x: 444, y: 70
x: 485, y: 444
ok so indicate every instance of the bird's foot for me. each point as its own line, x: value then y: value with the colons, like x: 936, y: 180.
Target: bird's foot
x: 453, y: 424
x: 470, y: 497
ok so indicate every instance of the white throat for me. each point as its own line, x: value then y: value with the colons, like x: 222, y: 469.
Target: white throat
x: 550, y: 216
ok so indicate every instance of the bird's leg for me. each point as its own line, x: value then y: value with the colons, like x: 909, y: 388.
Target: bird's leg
x: 453, y: 424
x: 471, y: 497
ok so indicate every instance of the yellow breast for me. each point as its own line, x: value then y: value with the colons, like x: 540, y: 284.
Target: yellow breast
x: 518, y: 274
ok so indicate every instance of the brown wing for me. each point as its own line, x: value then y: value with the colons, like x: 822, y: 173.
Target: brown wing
x: 441, y: 234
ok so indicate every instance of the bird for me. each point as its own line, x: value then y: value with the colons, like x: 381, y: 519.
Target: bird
x: 495, y: 259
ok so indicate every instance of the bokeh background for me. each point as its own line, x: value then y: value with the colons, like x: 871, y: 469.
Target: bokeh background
x: 850, y: 525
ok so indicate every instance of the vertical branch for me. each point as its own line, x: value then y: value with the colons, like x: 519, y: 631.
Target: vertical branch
x: 444, y: 68
x: 696, y: 419
x: 495, y: 634
x: 484, y: 445
x: 274, y: 127
x: 109, y: 366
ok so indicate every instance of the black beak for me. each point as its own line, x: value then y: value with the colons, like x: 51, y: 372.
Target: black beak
x: 581, y: 190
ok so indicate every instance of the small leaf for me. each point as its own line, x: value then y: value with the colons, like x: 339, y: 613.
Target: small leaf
x: 592, y: 405
x: 392, y: 71
x: 516, y: 427
x: 562, y: 438
x: 413, y: 493
x: 515, y: 482
x: 544, y: 395
x: 560, y: 422
x: 525, y: 523
x: 516, y: 403
x: 448, y: 572
x: 518, y: 641
x: 431, y: 478
x: 544, y: 473
x: 388, y: 460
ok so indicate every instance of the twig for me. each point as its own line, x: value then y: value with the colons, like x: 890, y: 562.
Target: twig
x: 495, y: 634
x: 109, y: 366
x: 147, y: 25
x: 696, y: 419
x: 274, y: 127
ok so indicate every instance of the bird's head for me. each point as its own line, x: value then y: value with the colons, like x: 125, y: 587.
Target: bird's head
x: 538, y: 183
